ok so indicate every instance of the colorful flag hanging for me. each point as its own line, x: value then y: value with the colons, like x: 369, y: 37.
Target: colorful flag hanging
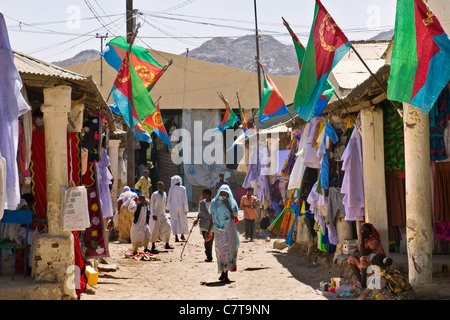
x: 148, y: 69
x: 244, y: 123
x: 134, y: 102
x: 139, y: 131
x: 131, y: 96
x: 329, y: 89
x: 229, y: 119
x: 143, y: 133
x: 420, y: 63
x: 154, y: 121
x: 272, y: 103
x: 327, y: 45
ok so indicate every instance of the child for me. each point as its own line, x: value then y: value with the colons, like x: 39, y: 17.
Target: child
x: 144, y: 184
x: 204, y: 218
x: 248, y: 205
x: 265, y: 223
x: 140, y: 231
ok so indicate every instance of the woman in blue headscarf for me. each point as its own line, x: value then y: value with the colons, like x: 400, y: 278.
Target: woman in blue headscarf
x: 223, y: 210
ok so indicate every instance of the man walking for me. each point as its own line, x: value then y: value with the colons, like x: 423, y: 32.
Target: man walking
x: 177, y: 204
x: 248, y: 205
x: 159, y: 225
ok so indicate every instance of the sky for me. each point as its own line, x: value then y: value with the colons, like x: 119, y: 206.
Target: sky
x: 57, y: 30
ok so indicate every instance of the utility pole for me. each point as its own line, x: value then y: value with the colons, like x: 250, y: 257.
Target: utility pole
x: 131, y: 171
x: 257, y: 55
x: 101, y: 55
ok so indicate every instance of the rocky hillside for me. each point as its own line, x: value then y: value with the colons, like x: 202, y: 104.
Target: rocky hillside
x: 83, y: 56
x: 276, y: 58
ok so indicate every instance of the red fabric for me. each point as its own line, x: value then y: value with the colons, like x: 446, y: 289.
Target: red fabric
x: 374, y: 236
x: 38, y: 174
x: 95, y: 242
x: 326, y: 34
x: 38, y: 169
x: 79, y: 262
x: 426, y: 46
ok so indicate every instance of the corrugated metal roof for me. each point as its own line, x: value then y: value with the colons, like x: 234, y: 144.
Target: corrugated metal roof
x: 27, y: 64
x: 276, y: 120
x: 351, y: 72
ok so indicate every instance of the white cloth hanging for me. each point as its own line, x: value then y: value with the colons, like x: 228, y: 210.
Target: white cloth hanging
x: 352, y: 184
x: 13, y: 105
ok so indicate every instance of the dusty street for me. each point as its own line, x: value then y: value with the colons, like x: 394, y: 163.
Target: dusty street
x: 263, y: 273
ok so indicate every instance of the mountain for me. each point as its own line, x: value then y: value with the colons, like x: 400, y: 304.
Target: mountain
x: 386, y: 35
x: 83, y: 56
x: 276, y: 58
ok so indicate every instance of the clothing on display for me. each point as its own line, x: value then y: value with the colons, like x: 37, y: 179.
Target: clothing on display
x: 352, y: 185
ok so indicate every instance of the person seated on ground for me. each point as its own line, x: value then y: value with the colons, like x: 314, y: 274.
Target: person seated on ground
x: 265, y: 223
x: 369, y: 246
x: 391, y: 284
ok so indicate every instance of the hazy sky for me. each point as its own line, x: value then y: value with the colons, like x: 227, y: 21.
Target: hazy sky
x: 56, y: 30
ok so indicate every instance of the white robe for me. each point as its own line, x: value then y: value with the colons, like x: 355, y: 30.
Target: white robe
x: 352, y: 184
x: 12, y: 106
x: 160, y: 228
x: 177, y: 204
x: 140, y: 231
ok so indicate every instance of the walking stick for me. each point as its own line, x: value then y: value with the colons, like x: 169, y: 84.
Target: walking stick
x: 181, y: 256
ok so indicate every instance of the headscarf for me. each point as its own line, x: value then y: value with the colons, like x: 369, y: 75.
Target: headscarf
x: 373, y: 236
x: 175, y: 179
x: 126, y: 196
x: 220, y: 214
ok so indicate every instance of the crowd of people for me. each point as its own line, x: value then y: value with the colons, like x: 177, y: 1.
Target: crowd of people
x: 143, y: 221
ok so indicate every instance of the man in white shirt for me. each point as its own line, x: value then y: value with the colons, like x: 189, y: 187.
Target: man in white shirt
x: 159, y: 225
x: 177, y: 204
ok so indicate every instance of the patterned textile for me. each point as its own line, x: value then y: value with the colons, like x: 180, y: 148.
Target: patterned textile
x: 438, y: 123
x: 394, y: 152
x: 394, y: 286
x: 274, y: 228
x: 442, y: 230
x: 96, y: 245
x: 290, y: 161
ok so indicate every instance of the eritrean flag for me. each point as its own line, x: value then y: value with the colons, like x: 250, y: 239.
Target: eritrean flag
x: 329, y: 90
x: 154, y: 121
x: 139, y: 131
x: 229, y: 119
x: 420, y: 63
x: 134, y: 102
x: 244, y: 123
x: 327, y: 45
x: 143, y: 133
x: 272, y: 103
x: 148, y: 69
x: 130, y: 93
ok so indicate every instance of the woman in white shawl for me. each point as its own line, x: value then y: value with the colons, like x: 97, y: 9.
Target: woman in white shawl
x: 126, y: 201
x: 224, y: 210
x: 177, y: 205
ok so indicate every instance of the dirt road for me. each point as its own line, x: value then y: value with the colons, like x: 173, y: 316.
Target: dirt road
x: 263, y: 273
